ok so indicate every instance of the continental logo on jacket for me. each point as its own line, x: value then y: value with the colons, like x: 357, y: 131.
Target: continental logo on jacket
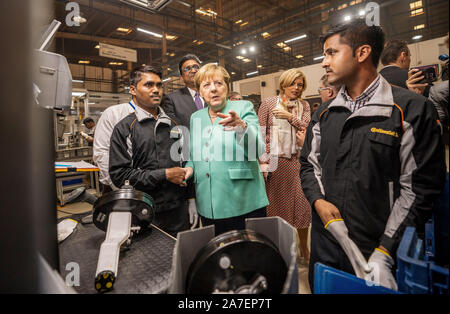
x: 391, y: 133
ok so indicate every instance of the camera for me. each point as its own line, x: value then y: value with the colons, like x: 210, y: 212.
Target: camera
x: 430, y: 73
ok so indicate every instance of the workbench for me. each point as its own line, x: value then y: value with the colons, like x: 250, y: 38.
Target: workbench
x: 75, y: 171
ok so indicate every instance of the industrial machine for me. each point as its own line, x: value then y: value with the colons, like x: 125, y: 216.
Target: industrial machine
x: 262, y: 259
x: 120, y: 213
x: 239, y: 261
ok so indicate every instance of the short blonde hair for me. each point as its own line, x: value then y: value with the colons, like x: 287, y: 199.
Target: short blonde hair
x: 288, y: 77
x: 208, y: 71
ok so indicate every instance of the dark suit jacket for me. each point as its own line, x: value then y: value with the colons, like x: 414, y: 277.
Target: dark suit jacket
x: 395, y: 76
x: 179, y: 105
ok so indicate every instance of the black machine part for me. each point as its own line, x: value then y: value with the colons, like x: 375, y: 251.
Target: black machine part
x: 241, y: 261
x: 140, y: 205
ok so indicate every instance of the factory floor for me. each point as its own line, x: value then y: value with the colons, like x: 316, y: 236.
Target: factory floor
x: 82, y: 207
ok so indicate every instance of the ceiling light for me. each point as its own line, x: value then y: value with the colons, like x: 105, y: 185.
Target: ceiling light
x: 252, y: 49
x: 150, y: 33
x: 259, y: 66
x: 299, y: 56
x: 417, y: 37
x: 165, y: 80
x: 252, y: 73
x: 265, y: 34
x: 77, y: 81
x: 243, y: 51
x: 416, y: 12
x: 115, y: 63
x: 233, y: 73
x: 318, y: 58
x: 419, y: 26
x: 97, y: 47
x: 184, y: 3
x: 84, y: 62
x: 199, y: 42
x: 415, y: 5
x: 296, y: 38
x: 347, y: 18
x: 151, y: 5
x: 246, y: 60
x: 237, y: 22
x: 281, y: 45
x: 79, y: 19
x: 287, y: 48
x: 207, y: 12
x: 223, y: 46
x: 124, y: 30
x: 239, y: 57
x: 362, y: 12
x: 171, y: 37
x: 243, y: 24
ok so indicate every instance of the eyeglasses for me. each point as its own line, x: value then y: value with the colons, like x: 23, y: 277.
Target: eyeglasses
x: 322, y: 88
x: 191, y: 67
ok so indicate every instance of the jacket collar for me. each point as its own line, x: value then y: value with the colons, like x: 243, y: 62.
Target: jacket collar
x: 381, y: 103
x: 142, y: 115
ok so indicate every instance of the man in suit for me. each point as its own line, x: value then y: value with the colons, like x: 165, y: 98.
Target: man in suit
x: 396, y: 59
x: 185, y: 101
x: 180, y: 105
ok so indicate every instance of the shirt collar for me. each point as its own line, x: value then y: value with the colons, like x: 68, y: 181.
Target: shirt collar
x: 192, y: 92
x: 382, y: 94
x: 366, y: 94
x: 381, y: 103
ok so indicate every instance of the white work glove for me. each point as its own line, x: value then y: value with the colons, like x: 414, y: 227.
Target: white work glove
x: 193, y: 215
x: 339, y: 230
x: 380, y: 273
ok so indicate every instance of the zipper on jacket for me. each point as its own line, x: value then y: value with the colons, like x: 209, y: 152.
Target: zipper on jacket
x: 391, y: 194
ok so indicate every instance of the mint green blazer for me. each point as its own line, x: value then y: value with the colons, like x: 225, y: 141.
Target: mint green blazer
x: 227, y: 177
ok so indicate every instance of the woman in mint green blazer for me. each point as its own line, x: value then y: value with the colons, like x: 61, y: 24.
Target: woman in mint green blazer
x: 225, y: 143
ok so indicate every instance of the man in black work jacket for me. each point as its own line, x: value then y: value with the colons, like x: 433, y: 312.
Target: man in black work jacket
x: 373, y: 156
x: 140, y: 152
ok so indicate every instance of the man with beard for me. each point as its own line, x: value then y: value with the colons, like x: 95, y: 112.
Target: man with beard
x: 372, y: 162
x: 140, y: 152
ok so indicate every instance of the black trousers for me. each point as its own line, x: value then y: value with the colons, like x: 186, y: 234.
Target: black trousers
x: 173, y: 221
x: 232, y: 223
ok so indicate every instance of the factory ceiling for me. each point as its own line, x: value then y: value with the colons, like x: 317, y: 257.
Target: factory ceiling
x: 244, y: 35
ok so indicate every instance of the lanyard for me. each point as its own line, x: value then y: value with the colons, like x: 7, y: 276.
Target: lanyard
x: 132, y: 106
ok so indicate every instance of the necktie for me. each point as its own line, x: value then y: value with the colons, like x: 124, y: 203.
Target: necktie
x: 198, y: 101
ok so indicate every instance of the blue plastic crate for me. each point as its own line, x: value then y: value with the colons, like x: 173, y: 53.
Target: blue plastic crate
x: 328, y: 280
x: 416, y: 272
x: 72, y: 182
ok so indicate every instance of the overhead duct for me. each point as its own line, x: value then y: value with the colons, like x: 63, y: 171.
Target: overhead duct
x: 150, y: 5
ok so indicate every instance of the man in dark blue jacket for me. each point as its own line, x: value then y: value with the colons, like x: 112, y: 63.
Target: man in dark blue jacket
x: 372, y: 162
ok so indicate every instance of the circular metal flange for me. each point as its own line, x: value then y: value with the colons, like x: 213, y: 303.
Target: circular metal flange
x: 237, y: 261
x: 140, y: 205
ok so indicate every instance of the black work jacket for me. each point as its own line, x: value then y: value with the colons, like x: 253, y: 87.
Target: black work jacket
x: 140, y: 152
x: 382, y: 166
